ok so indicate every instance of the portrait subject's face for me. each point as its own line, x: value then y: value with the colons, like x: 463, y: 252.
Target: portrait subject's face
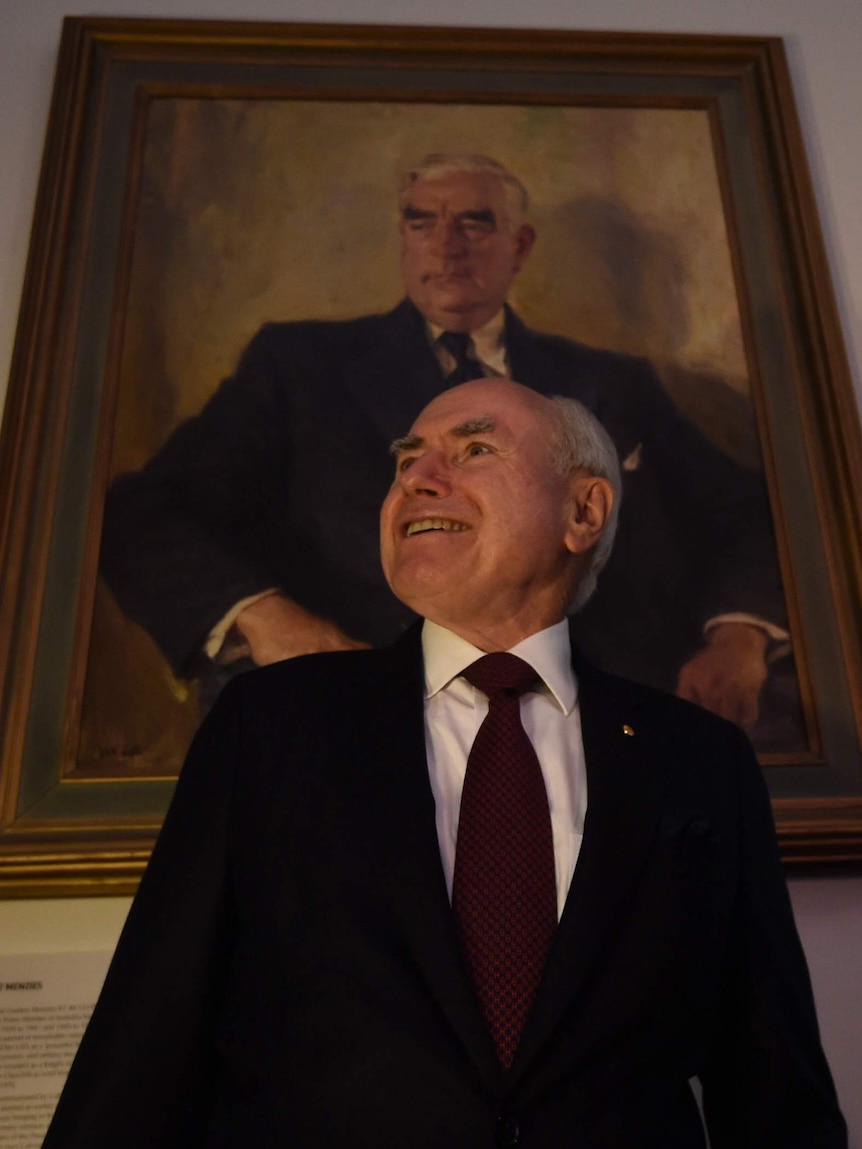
x: 459, y: 249
x: 477, y: 530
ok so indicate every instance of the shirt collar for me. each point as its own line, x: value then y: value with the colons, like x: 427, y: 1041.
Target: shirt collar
x: 549, y: 652
x: 489, y: 342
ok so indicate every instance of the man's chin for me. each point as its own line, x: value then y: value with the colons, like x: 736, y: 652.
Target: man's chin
x: 453, y: 311
x: 424, y: 591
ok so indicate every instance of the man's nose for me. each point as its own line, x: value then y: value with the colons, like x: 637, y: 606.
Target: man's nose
x: 449, y: 238
x: 427, y: 475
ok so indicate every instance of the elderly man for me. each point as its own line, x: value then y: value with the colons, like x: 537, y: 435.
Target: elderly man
x: 252, y: 532
x: 464, y: 891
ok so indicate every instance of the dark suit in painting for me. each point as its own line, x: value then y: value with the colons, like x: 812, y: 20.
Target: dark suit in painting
x: 290, y: 973
x: 278, y: 482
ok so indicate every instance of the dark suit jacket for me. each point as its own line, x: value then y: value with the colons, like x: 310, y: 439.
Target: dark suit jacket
x: 279, y: 481
x: 290, y: 974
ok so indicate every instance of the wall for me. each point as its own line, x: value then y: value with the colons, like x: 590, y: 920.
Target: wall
x: 824, y: 44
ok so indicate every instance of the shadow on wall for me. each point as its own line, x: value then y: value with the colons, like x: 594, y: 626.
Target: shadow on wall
x: 632, y: 284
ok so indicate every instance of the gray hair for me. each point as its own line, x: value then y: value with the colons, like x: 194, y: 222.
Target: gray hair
x: 439, y: 164
x: 580, y: 441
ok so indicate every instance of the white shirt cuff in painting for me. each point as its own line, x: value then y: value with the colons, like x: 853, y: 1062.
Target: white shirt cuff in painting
x: 779, y: 636
x: 216, y: 637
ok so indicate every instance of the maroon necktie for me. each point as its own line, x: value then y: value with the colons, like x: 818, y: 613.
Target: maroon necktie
x: 504, y: 886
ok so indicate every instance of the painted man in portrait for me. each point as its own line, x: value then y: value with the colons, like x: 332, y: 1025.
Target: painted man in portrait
x: 251, y: 535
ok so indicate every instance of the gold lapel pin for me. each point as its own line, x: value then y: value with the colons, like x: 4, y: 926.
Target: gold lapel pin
x: 628, y: 730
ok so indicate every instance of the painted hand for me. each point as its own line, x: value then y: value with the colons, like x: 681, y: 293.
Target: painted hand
x: 727, y: 674
x: 275, y: 628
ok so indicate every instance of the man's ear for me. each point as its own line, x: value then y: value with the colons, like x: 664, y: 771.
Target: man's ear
x: 591, y: 500
x: 525, y: 237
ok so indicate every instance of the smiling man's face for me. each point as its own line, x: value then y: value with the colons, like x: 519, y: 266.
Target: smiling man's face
x: 479, y: 532
x: 460, y: 250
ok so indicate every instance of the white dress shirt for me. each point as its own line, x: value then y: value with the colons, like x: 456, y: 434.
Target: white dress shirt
x: 454, y: 711
x: 487, y: 346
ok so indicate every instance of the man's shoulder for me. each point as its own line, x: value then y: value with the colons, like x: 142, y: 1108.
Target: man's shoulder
x: 327, y: 350
x: 324, y: 682
x: 560, y: 360
x: 650, y: 742
x: 326, y: 332
x: 317, y: 720
x: 519, y: 331
x: 655, y: 709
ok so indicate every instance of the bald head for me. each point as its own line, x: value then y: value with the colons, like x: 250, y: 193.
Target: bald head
x: 491, y: 393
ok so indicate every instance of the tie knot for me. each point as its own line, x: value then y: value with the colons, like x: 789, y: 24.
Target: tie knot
x: 501, y: 673
x: 456, y: 343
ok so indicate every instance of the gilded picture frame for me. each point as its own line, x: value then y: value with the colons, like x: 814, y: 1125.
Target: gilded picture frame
x: 133, y: 208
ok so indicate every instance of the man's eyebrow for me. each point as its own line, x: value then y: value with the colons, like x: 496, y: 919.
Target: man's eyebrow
x: 405, y: 443
x: 478, y: 215
x: 472, y: 215
x: 477, y: 426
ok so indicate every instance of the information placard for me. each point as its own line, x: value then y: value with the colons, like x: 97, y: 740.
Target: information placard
x: 45, y: 1004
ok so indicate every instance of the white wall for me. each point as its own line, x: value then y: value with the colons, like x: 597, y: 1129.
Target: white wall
x: 824, y: 42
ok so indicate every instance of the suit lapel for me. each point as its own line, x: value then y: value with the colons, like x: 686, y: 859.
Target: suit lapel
x: 402, y: 834
x: 528, y: 358
x: 625, y: 786
x: 399, y: 375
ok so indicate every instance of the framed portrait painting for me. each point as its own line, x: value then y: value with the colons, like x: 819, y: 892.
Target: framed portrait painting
x: 219, y: 336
